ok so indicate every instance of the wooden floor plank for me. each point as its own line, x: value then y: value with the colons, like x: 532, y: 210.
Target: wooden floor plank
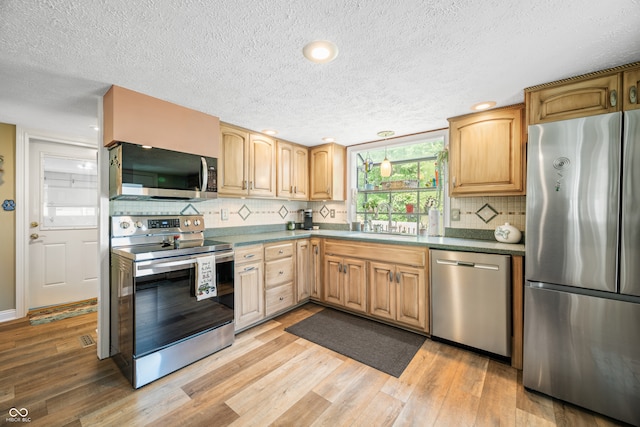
x: 269, y: 377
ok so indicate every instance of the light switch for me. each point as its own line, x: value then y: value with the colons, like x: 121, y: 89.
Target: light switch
x: 455, y: 214
x: 224, y: 214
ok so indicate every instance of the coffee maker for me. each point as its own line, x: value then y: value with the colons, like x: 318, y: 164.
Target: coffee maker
x: 308, y: 219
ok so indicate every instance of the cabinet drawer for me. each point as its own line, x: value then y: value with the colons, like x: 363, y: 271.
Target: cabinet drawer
x: 279, y: 298
x: 278, y: 251
x: 278, y: 272
x: 248, y: 254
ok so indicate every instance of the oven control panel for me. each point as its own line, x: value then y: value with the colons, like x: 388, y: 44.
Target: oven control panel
x: 134, y: 225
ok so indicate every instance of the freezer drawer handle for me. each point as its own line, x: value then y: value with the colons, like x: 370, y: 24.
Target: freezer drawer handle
x: 468, y: 264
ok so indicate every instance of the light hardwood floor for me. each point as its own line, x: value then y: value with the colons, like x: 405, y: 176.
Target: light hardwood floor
x: 267, y: 377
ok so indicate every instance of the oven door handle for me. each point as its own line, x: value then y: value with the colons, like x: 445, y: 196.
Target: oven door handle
x: 150, y: 265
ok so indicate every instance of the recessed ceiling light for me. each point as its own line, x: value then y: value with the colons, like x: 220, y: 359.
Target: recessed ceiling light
x: 483, y: 105
x: 329, y: 139
x: 386, y: 133
x: 320, y: 51
x: 270, y: 132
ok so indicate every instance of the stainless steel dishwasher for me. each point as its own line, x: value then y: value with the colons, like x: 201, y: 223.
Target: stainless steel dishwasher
x: 471, y: 299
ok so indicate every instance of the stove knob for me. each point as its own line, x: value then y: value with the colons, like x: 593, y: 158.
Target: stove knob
x: 124, y: 225
x: 138, y: 224
x: 187, y: 222
x: 196, y: 222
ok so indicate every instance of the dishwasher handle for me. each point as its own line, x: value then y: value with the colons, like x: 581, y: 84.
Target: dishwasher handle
x: 468, y: 264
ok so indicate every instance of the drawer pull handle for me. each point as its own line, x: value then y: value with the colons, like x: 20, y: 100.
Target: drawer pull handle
x: 398, y: 277
x: 249, y: 268
x: 249, y: 255
x: 391, y: 276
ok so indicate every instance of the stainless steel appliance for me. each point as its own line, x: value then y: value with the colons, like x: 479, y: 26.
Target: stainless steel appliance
x: 172, y: 294
x: 472, y: 299
x: 582, y: 294
x: 138, y: 173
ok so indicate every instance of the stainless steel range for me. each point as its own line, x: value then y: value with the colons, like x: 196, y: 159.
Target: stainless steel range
x: 172, y: 294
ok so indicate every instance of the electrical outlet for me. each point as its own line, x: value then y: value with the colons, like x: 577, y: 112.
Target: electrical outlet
x: 332, y: 213
x: 455, y: 214
x: 224, y: 214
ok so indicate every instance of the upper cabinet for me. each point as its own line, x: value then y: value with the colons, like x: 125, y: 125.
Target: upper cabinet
x: 630, y: 87
x: 293, y: 171
x: 327, y: 172
x: 577, y: 99
x: 487, y: 153
x: 141, y: 119
x: 247, y: 163
x: 606, y: 91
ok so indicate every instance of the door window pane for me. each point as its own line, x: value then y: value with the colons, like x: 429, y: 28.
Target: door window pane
x: 69, y: 192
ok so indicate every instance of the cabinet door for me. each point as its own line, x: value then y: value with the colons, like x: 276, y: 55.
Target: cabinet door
x: 316, y: 270
x: 355, y: 284
x: 248, y: 294
x: 333, y: 279
x: 285, y: 166
x: 300, y: 178
x: 262, y: 160
x: 631, y: 87
x: 321, y: 172
x: 487, y: 153
x: 382, y: 291
x: 582, y: 98
x: 303, y: 276
x: 233, y: 177
x: 411, y: 288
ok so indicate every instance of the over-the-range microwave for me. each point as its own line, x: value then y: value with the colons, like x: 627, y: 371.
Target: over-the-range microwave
x: 138, y: 173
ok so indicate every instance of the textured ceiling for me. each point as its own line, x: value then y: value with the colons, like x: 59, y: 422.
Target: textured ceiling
x: 404, y: 65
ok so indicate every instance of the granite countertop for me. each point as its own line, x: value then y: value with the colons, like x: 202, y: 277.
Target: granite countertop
x: 446, y: 243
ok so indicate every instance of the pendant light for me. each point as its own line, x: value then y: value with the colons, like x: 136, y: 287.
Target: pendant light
x: 385, y: 166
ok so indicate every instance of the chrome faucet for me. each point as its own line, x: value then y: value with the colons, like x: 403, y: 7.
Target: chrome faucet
x: 389, y: 209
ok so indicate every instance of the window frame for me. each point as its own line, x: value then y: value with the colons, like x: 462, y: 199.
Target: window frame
x: 352, y: 158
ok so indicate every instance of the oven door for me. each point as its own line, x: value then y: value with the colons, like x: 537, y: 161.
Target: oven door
x: 166, y: 310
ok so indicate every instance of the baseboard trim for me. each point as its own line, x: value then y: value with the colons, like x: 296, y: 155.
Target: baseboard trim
x: 7, y: 315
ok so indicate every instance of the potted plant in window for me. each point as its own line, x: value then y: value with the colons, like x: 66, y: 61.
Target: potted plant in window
x: 371, y: 206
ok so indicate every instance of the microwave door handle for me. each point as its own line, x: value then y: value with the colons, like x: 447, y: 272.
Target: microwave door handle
x: 205, y: 174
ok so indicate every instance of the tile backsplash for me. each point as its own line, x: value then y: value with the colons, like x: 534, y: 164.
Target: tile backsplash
x: 239, y: 212
x: 484, y: 213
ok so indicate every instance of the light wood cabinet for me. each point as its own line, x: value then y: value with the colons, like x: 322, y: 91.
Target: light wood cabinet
x: 345, y: 282
x: 130, y: 116
x: 398, y: 293
x: 631, y: 89
x: 279, y: 276
x: 598, y: 95
x: 247, y: 166
x: 315, y: 269
x: 327, y: 172
x: 487, y: 153
x: 303, y: 271
x: 249, y: 286
x: 292, y: 171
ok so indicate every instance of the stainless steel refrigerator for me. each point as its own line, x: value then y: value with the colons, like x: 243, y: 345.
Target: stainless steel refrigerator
x: 582, y: 264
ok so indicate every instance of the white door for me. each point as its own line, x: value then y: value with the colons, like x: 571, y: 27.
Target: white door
x: 63, y: 216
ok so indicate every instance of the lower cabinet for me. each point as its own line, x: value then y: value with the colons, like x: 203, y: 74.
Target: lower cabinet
x: 315, y: 270
x: 303, y: 270
x: 398, y: 293
x: 388, y: 282
x: 345, y: 282
x: 248, y: 286
x: 279, y: 276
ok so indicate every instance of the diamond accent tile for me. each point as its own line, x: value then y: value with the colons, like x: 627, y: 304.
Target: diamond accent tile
x: 244, y: 212
x: 324, y: 211
x: 283, y: 211
x: 189, y: 210
x: 486, y: 213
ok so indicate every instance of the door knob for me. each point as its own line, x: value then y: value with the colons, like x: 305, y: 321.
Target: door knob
x: 34, y: 236
x: 34, y: 224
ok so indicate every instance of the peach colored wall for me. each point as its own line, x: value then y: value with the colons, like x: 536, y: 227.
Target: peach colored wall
x: 7, y: 218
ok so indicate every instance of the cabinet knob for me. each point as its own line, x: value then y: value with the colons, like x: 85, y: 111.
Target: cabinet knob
x: 398, y: 277
x: 280, y: 273
x: 391, y: 276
